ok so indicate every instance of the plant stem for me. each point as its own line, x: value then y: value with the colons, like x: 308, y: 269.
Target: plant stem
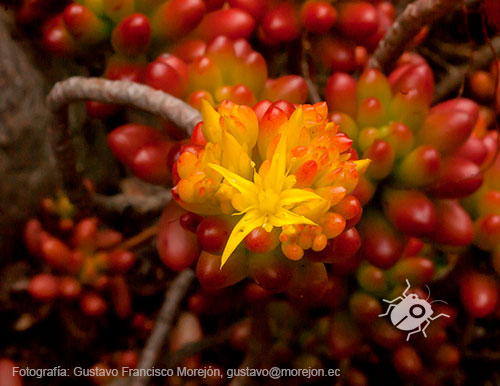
x: 123, y: 92
x: 140, y: 238
x: 314, y: 96
x: 456, y: 75
x: 133, y: 94
x: 163, y: 324
x: 194, y: 348
x: 406, y: 26
x: 140, y: 204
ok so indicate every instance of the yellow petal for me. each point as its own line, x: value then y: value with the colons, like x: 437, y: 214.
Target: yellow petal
x: 313, y: 210
x: 234, y: 157
x: 248, y: 223
x: 290, y: 181
x: 362, y: 165
x: 286, y: 217
x: 236, y: 129
x: 246, y: 165
x: 296, y: 196
x: 241, y: 184
x: 295, y: 124
x: 211, y: 122
x: 204, y: 209
x: 246, y: 115
x: 334, y: 193
x: 240, y: 203
x: 226, y: 107
x: 257, y: 179
x: 242, y: 123
x: 275, y: 177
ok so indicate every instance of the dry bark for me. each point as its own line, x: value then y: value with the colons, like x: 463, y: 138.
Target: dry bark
x: 407, y: 25
x: 27, y: 168
x: 123, y: 92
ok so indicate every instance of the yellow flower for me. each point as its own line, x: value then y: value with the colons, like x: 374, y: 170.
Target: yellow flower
x: 268, y: 201
x: 238, y: 121
x: 304, y: 169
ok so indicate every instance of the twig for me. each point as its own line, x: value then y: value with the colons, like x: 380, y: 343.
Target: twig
x: 483, y: 355
x: 405, y: 27
x: 435, y: 58
x: 194, y: 348
x: 163, y: 324
x: 102, y: 90
x: 454, y: 50
x: 121, y: 203
x: 456, y: 75
x: 123, y: 92
x: 257, y: 345
x: 402, y: 4
x: 140, y: 238
x: 20, y: 285
x: 314, y: 96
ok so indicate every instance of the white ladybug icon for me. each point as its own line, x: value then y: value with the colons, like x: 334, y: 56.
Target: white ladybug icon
x: 411, y: 313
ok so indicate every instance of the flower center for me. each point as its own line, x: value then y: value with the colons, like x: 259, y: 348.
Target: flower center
x: 268, y: 202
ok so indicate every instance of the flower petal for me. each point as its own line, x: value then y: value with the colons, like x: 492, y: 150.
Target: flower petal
x: 290, y: 181
x: 286, y: 217
x: 235, y: 158
x: 241, y: 184
x: 203, y: 208
x: 257, y: 179
x: 248, y: 223
x: 211, y: 123
x: 294, y: 127
x: 362, y: 165
x: 275, y: 177
x: 296, y: 196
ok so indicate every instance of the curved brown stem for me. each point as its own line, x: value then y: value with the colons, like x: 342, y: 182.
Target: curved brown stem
x: 110, y: 91
x: 123, y: 92
x: 407, y: 25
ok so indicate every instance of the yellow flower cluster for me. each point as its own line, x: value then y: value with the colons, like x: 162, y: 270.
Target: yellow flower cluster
x: 284, y: 173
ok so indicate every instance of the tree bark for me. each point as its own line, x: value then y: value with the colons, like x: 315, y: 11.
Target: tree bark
x: 27, y: 169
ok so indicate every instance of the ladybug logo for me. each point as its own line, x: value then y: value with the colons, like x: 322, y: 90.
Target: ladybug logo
x: 412, y: 313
